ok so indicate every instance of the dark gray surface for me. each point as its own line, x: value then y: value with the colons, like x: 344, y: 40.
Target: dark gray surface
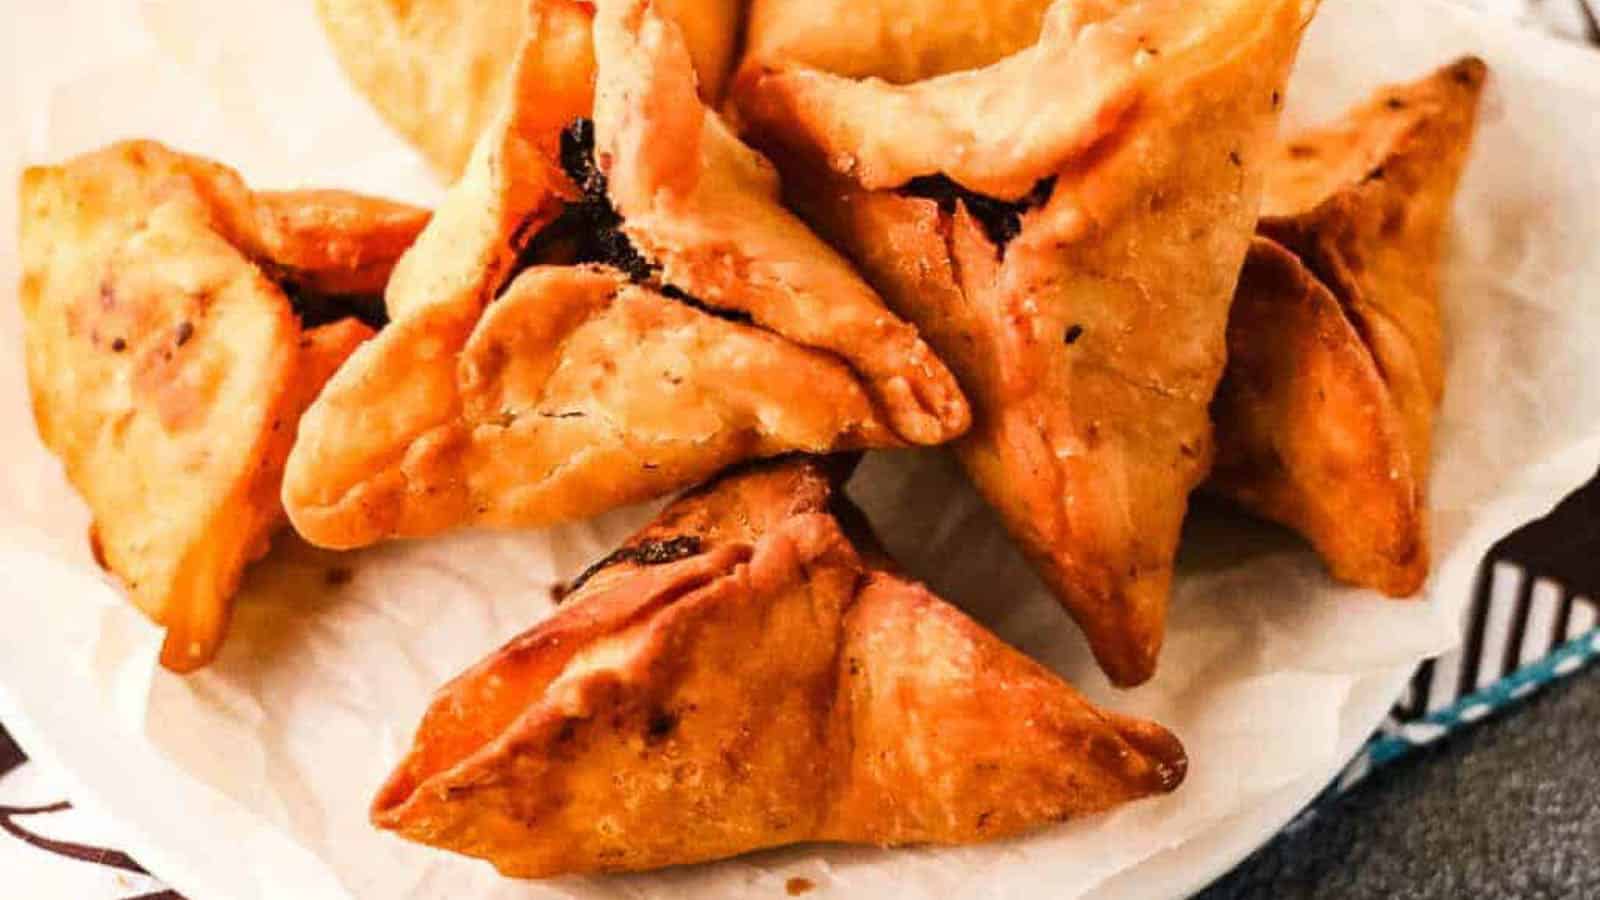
x: 1510, y: 808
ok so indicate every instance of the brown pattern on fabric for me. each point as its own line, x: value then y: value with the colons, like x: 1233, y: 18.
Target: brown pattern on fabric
x: 11, y: 756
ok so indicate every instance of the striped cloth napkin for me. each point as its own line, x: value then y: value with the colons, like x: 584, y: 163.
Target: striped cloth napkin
x: 1534, y: 619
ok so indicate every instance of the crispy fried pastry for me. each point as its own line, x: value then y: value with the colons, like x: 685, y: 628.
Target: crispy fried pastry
x: 899, y: 41
x: 1066, y: 228
x: 176, y: 327
x: 570, y: 336
x: 1307, y: 432
x: 1335, y: 372
x: 740, y: 676
x: 436, y: 69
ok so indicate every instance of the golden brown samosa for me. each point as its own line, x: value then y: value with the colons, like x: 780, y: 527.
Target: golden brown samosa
x: 176, y: 326
x: 740, y: 676
x: 602, y: 313
x: 1307, y: 431
x: 1066, y: 227
x: 1336, y: 367
x: 436, y: 69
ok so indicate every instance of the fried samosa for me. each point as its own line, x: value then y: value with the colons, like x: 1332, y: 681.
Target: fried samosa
x: 436, y: 69
x: 740, y: 676
x: 604, y: 311
x: 1066, y: 227
x: 899, y: 41
x: 176, y: 326
x: 1335, y: 371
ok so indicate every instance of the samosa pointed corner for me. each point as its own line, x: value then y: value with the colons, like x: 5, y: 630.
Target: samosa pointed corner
x: 766, y: 683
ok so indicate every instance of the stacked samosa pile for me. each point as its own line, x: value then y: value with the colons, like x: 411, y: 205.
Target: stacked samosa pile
x: 610, y: 305
x: 1031, y: 220
x: 629, y: 732
x: 1066, y: 225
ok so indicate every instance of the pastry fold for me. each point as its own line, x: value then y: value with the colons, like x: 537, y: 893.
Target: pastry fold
x: 1066, y: 227
x: 740, y: 676
x: 176, y: 326
x: 698, y: 323
x: 436, y: 70
x: 1336, y: 369
x: 899, y: 41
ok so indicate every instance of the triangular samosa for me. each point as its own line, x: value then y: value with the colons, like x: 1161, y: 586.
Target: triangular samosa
x: 436, y: 69
x: 604, y: 311
x: 740, y: 676
x: 1335, y: 371
x: 1066, y: 227
x: 176, y: 326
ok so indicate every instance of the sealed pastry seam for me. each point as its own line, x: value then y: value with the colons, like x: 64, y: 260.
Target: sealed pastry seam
x: 1001, y: 129
x: 772, y: 687
x: 651, y: 293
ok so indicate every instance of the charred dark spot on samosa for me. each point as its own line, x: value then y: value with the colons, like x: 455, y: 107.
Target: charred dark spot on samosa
x: 645, y: 553
x: 1470, y: 71
x: 1001, y: 219
x: 589, y: 229
x: 661, y: 725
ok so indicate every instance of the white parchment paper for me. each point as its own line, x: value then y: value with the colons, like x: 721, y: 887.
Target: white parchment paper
x: 252, y: 779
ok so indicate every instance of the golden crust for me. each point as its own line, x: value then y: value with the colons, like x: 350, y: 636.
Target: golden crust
x: 899, y: 41
x: 328, y: 241
x: 578, y: 392
x: 998, y: 130
x: 168, y: 370
x: 455, y: 415
x: 706, y: 207
x: 737, y: 678
x: 1091, y: 342
x: 1335, y: 373
x: 1307, y: 432
x: 1365, y: 202
x: 436, y: 69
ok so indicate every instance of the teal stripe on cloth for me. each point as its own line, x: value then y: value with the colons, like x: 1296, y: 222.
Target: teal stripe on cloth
x: 1395, y: 739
